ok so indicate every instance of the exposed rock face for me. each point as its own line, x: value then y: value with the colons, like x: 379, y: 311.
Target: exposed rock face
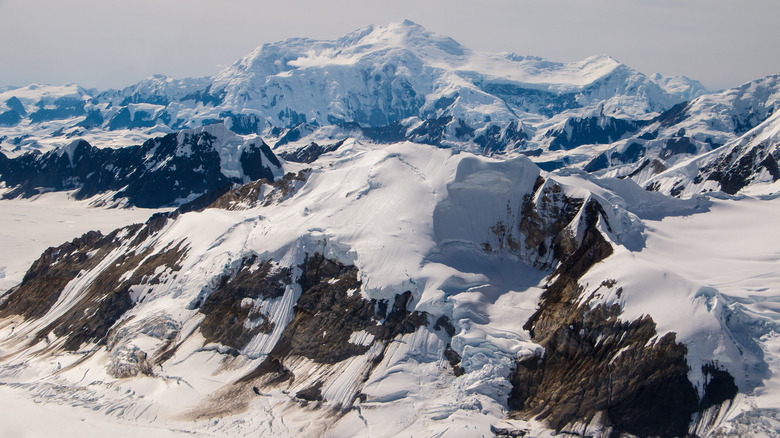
x: 496, y: 138
x: 750, y: 160
x: 591, y: 130
x: 163, y: 171
x: 632, y: 153
x: 104, y: 299
x: 331, y: 308
x: 16, y: 105
x: 44, y: 281
x: 261, y: 192
x: 257, y: 161
x: 109, y: 296
x: 531, y: 100
x: 310, y: 152
x: 737, y: 168
x: 333, y: 327
x: 542, y: 232
x: 600, y: 371
x: 544, y: 222
x: 232, y: 319
x: 9, y: 118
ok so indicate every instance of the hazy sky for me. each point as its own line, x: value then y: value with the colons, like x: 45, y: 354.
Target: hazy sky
x: 114, y: 43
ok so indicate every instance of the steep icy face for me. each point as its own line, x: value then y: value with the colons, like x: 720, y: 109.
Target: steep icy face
x: 168, y: 170
x: 384, y: 281
x: 693, y: 128
x: 747, y: 164
x: 681, y: 86
x: 157, y: 90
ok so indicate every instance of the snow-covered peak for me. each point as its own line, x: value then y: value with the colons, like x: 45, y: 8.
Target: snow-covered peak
x: 378, y: 76
x: 161, y: 89
x: 39, y: 96
x: 406, y: 35
x: 396, y: 42
x: 400, y: 43
x: 682, y: 86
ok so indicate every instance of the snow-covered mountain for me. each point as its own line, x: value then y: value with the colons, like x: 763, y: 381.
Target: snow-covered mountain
x: 749, y: 163
x: 393, y: 82
x: 389, y: 234
x: 383, y: 281
x: 692, y: 128
x: 169, y: 170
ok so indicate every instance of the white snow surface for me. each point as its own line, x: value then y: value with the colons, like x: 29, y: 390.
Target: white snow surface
x: 712, y: 277
x: 414, y: 217
x: 29, y: 226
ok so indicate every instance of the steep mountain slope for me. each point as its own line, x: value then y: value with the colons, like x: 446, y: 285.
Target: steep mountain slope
x: 400, y: 288
x: 747, y: 164
x: 29, y: 226
x: 168, y: 170
x: 692, y: 128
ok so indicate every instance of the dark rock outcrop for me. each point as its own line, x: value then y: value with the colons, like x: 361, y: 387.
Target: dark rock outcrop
x: 591, y: 130
x: 10, y: 118
x: 15, y: 104
x: 104, y: 299
x: 531, y: 100
x: 329, y: 310
x: 57, y: 266
x: 600, y: 370
x: 498, y: 139
x: 631, y: 153
x: 261, y: 192
x: 161, y: 172
x: 232, y: 319
x: 257, y: 161
x: 310, y: 153
x: 738, y: 167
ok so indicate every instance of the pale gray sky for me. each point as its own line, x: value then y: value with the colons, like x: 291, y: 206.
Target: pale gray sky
x: 114, y: 43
